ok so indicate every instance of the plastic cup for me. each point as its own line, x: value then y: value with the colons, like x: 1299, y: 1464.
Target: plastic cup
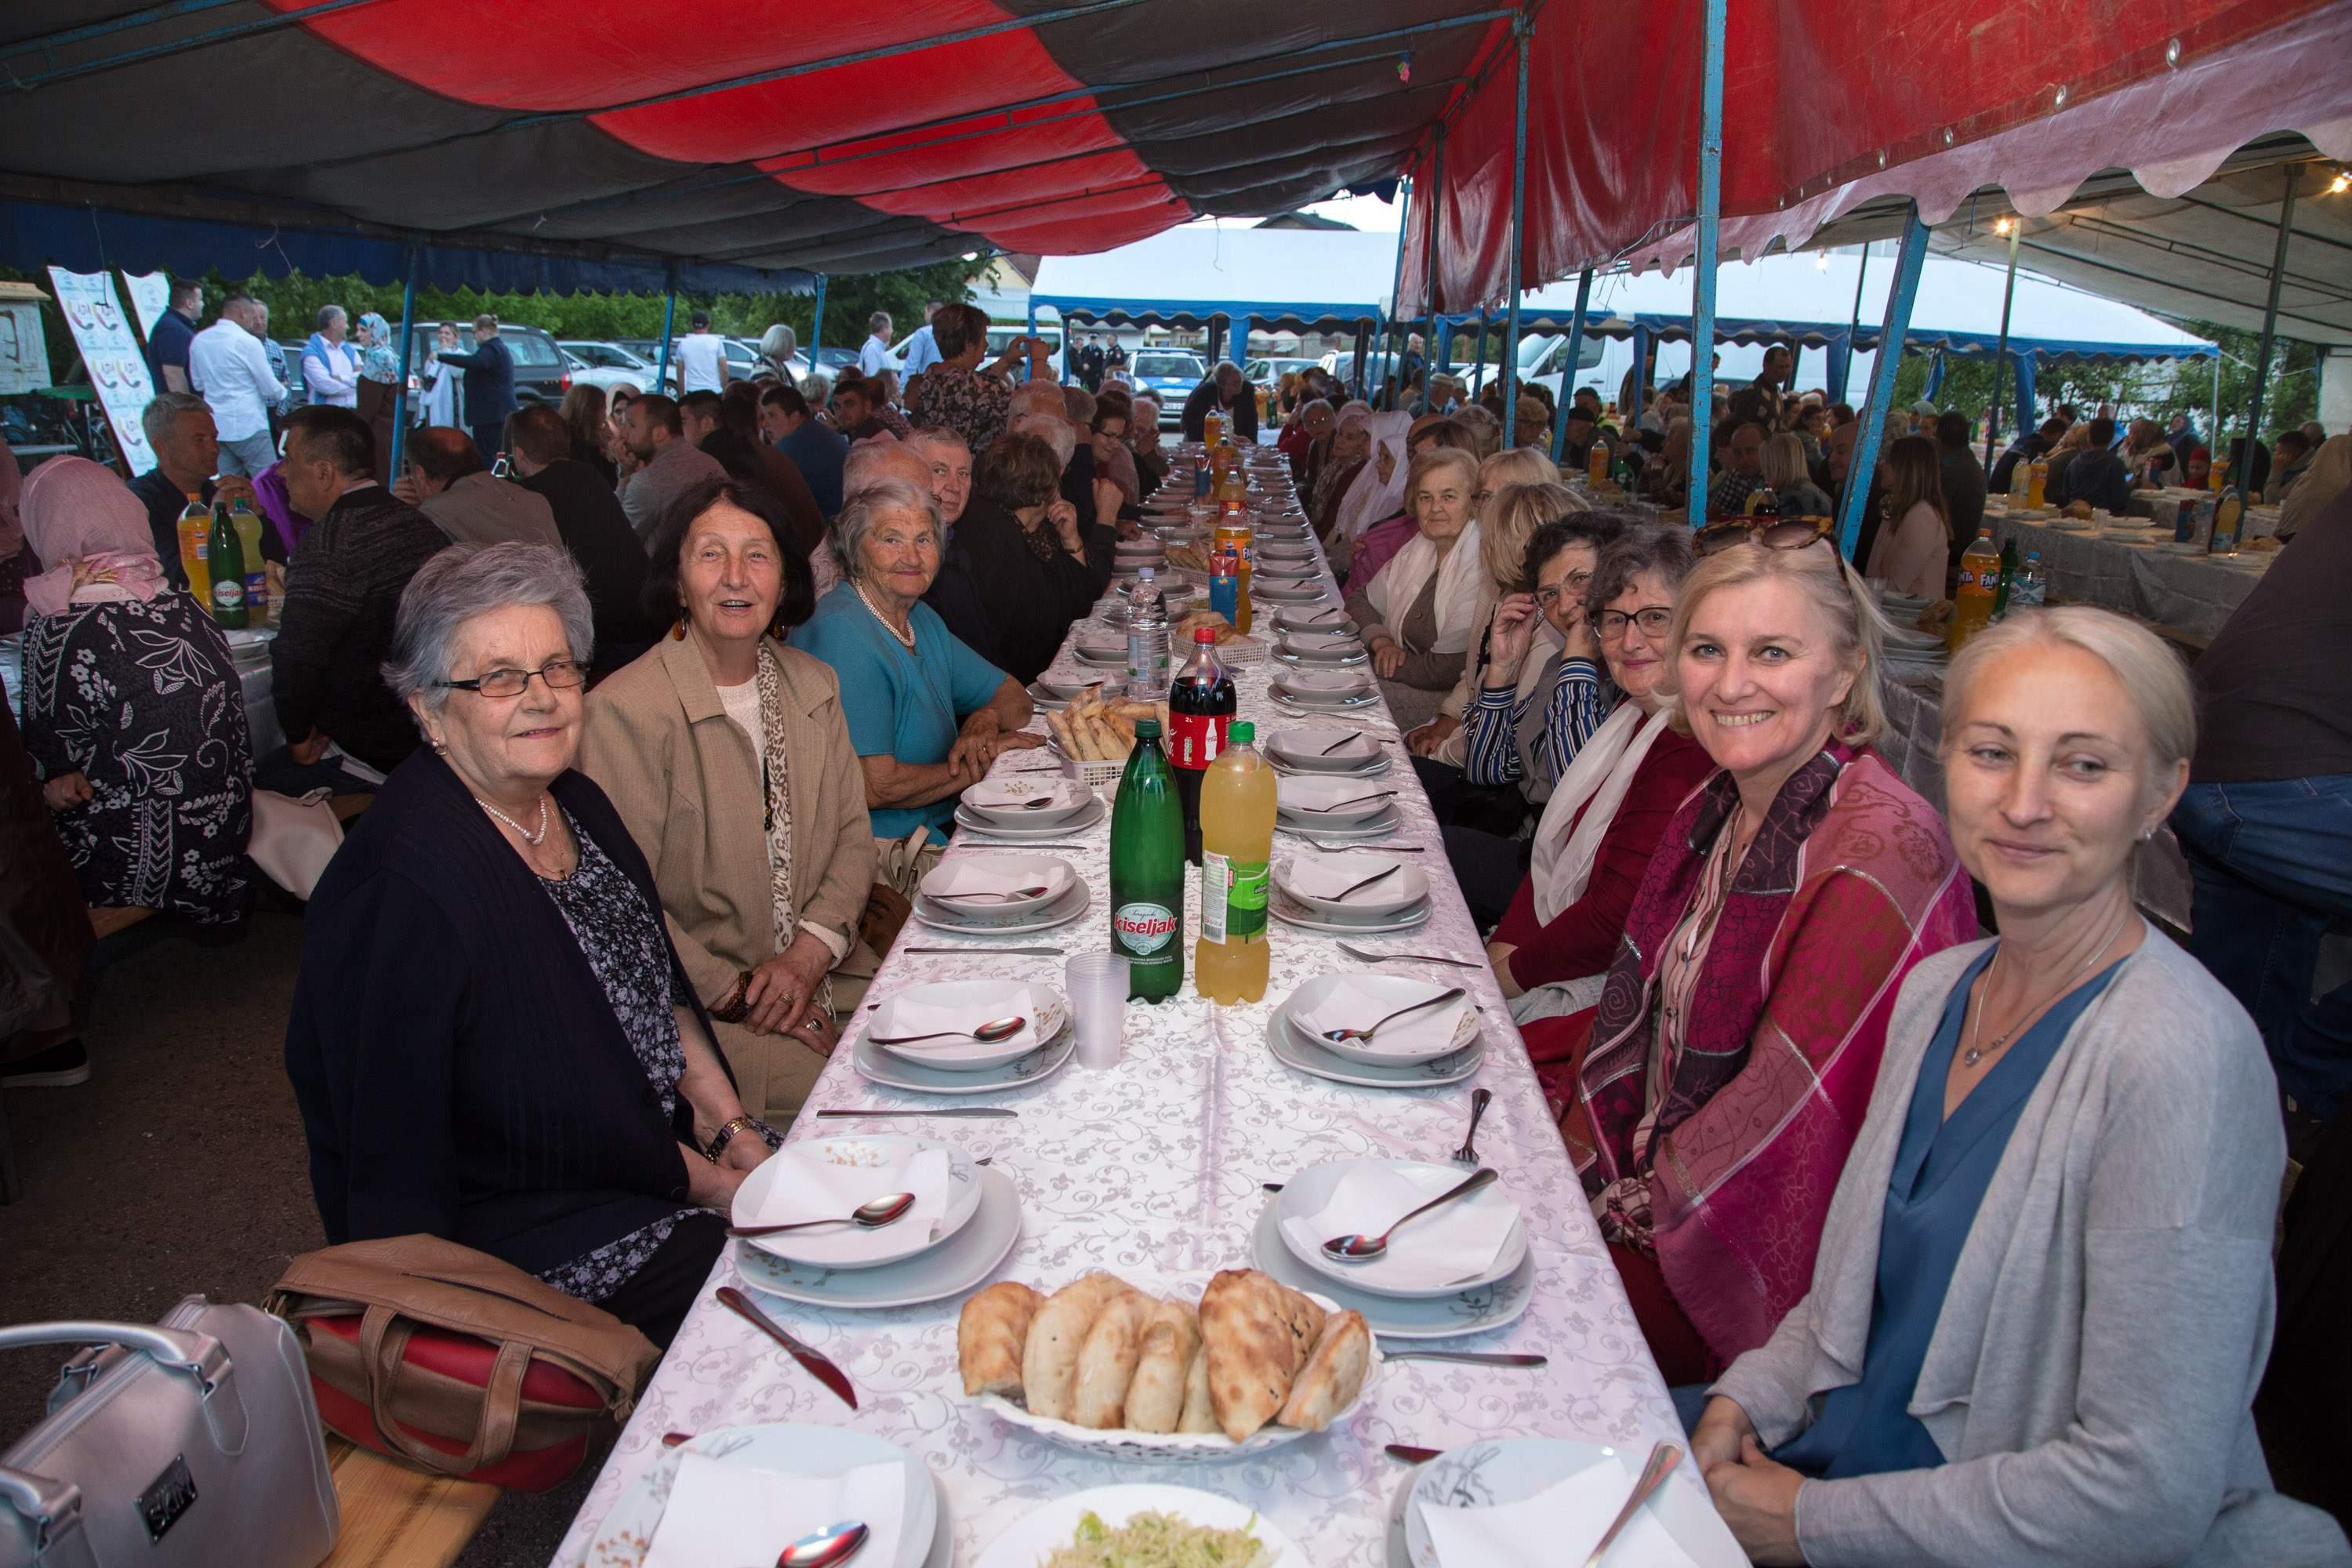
x: 1097, y: 986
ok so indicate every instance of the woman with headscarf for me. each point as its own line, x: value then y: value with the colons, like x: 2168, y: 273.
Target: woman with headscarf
x: 2330, y: 475
x: 379, y: 385
x: 1377, y: 492
x: 443, y: 383
x: 131, y: 708
x: 1350, y: 443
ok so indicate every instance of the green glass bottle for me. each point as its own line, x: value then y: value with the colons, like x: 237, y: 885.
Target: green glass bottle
x: 1147, y: 870
x: 225, y: 555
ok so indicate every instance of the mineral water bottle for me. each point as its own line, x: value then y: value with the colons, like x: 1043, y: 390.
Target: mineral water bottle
x: 1147, y: 639
x: 225, y: 558
x: 1230, y: 961
x: 1147, y: 870
x: 1973, y: 597
x: 2030, y: 589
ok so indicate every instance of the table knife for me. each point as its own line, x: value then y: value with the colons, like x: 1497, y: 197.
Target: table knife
x: 985, y: 952
x: 824, y: 1371
x: 957, y: 1111
x: 1466, y: 1358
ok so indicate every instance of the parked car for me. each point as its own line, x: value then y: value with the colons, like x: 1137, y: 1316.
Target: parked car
x: 1170, y: 376
x: 607, y: 366
x: 999, y: 336
x: 1270, y: 372
x: 742, y: 357
x: 298, y: 391
x: 541, y: 371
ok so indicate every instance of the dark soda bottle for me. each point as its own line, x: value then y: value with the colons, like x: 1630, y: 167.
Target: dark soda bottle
x: 1200, y: 707
x: 225, y: 556
x: 1147, y: 870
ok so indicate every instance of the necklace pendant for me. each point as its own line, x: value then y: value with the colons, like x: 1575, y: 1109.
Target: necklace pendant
x: 1971, y: 1056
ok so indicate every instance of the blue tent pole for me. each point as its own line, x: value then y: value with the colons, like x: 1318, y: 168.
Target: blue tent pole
x: 1567, y: 370
x: 1444, y: 346
x: 1710, y: 208
x: 1363, y: 346
x: 1642, y: 350
x: 816, y: 323
x: 1845, y: 365
x: 1478, y: 371
x: 669, y: 320
x: 2245, y: 476
x: 1935, y: 377
x: 1521, y: 30
x: 407, y: 352
x: 1899, y: 297
x: 2000, y: 354
x: 1433, y: 359
x: 1391, y: 344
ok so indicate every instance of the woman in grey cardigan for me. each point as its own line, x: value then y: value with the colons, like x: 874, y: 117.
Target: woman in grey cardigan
x: 2044, y: 1297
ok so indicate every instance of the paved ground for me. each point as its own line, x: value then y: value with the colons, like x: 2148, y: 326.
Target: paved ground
x: 179, y: 1167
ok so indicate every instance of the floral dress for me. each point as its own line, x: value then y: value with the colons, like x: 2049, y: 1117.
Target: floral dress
x: 142, y: 699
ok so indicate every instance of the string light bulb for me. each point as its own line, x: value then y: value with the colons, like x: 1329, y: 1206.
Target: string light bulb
x: 1820, y: 262
x: 2341, y: 184
x: 2002, y: 227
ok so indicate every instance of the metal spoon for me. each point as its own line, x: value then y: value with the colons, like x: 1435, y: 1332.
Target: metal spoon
x: 1376, y: 876
x: 1360, y: 1249
x: 870, y: 1215
x: 834, y: 1543
x: 1004, y: 898
x: 1341, y: 1037
x: 987, y: 1034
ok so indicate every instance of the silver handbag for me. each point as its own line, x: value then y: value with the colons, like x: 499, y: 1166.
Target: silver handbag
x: 192, y: 1443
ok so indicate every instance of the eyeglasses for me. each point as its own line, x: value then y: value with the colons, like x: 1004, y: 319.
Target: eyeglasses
x: 560, y: 675
x: 1771, y: 532
x: 1573, y: 588
x: 1653, y: 622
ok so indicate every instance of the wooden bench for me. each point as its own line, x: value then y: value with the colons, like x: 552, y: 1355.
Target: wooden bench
x: 395, y: 1516
x: 107, y: 919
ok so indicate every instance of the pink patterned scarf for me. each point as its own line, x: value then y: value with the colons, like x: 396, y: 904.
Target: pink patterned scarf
x: 91, y: 533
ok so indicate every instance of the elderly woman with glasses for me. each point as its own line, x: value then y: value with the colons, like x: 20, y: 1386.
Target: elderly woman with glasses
x: 493, y: 1040
x: 927, y: 714
x: 727, y: 754
x: 1718, y: 1086
x: 2044, y: 1297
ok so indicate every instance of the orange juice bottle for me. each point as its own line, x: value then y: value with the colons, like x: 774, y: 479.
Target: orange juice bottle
x: 2037, y: 484
x: 1980, y: 583
x: 1230, y: 962
x: 196, y: 546
x: 1596, y: 465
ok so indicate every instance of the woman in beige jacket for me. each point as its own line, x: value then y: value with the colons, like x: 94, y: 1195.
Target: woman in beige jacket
x: 726, y: 753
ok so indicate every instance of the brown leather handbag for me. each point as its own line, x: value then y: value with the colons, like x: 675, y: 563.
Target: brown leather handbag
x: 457, y: 1362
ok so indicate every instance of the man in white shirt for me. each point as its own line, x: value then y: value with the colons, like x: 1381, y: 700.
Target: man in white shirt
x: 875, y: 357
x: 226, y: 362
x: 329, y: 370
x: 922, y: 348
x: 702, y: 358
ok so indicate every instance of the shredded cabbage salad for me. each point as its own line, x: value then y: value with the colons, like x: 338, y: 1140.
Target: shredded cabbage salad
x: 1157, y: 1541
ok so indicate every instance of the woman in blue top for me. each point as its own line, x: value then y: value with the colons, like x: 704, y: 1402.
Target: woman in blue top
x: 2044, y: 1297
x: 927, y: 714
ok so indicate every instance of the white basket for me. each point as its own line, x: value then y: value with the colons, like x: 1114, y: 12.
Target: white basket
x: 1102, y: 777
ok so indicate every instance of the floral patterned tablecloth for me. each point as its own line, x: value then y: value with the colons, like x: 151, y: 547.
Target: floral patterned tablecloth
x: 1152, y: 1169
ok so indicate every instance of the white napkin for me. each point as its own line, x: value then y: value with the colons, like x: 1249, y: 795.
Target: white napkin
x: 723, y: 1513
x: 1309, y: 745
x: 814, y: 1187
x: 998, y: 794
x: 1460, y: 1241
x: 1340, y: 684
x: 909, y: 1014
x: 1559, y: 1524
x: 1310, y: 796
x: 973, y: 875
x: 1350, y: 1008
x: 1327, y: 877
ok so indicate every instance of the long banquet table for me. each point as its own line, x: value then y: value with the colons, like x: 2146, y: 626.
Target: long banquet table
x: 1152, y: 1169
x: 2136, y: 576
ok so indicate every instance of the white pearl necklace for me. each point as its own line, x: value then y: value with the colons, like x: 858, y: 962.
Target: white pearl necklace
x: 528, y: 837
x: 906, y: 636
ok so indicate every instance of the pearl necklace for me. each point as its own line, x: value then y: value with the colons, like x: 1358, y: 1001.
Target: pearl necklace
x: 906, y: 636
x: 1976, y: 1053
x: 527, y: 835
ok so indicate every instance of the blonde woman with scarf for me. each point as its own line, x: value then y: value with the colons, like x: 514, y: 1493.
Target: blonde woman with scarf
x: 1377, y: 491
x: 1420, y: 612
x: 131, y: 707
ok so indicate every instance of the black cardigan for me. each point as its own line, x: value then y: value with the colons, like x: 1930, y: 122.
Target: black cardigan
x: 1030, y: 602
x: 458, y: 1070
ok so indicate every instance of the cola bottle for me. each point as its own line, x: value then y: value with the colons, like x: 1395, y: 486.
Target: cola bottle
x: 1200, y: 707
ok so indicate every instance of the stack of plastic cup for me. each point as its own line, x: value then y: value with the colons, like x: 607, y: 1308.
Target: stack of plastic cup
x: 1098, y: 984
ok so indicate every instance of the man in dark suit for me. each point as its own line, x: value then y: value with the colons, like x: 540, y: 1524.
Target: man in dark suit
x: 489, y: 385
x: 594, y: 530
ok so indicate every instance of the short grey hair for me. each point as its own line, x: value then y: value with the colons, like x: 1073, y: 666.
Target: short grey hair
x: 864, y: 509
x: 778, y: 344
x: 1039, y: 397
x: 817, y: 387
x: 1146, y: 401
x: 936, y: 436
x: 330, y: 314
x: 156, y: 420
x: 468, y: 581
x: 1051, y: 428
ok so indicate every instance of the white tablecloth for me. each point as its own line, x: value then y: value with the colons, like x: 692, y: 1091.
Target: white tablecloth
x: 1153, y: 1168
x: 2194, y: 593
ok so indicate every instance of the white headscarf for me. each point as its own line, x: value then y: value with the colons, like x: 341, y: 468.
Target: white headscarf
x: 1370, y: 499
x: 1602, y: 773
x: 1461, y: 584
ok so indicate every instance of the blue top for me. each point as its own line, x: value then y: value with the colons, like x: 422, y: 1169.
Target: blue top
x: 818, y: 451
x: 1941, y: 1170
x: 901, y: 705
x: 168, y: 344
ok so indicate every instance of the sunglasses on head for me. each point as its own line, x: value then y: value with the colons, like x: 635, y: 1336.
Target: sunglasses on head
x: 1771, y: 532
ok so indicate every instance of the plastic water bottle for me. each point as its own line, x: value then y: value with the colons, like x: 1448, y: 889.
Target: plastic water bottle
x: 2030, y: 589
x: 1147, y: 640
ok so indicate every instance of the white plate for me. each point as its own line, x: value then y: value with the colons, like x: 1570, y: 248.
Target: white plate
x: 1389, y: 992
x: 1379, y: 825
x: 1053, y: 1016
x: 627, y: 1532
x: 1313, y: 800
x: 1060, y: 911
x: 1036, y: 871
x: 1304, y: 749
x: 1040, y: 785
x: 1307, y: 620
x: 1049, y: 1527
x: 1066, y: 687
x: 1291, y: 912
x: 878, y: 1066
x: 1324, y: 656
x: 1409, y: 886
x: 1370, y: 767
x: 1010, y: 833
x: 1331, y: 683
x: 1310, y: 1189
x: 1173, y: 1447
x: 1292, y: 1048
x: 1276, y: 548
x: 1307, y: 593
x: 845, y: 1247
x: 954, y: 1266
x: 1491, y: 1473
x: 1392, y: 1317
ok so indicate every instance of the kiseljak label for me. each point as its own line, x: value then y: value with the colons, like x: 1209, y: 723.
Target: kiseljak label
x: 1143, y: 928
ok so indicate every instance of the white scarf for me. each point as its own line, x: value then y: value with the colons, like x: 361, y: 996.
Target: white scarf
x: 1460, y: 581
x: 1602, y: 773
x: 1371, y: 498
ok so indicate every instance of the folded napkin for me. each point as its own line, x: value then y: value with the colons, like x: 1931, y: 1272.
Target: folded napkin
x: 912, y: 1011
x: 1337, y: 684
x: 814, y: 1187
x: 1329, y: 875
x: 723, y: 1513
x: 1561, y: 1523
x: 1353, y: 1007
x: 1310, y: 745
x: 1319, y: 640
x: 1313, y: 795
x: 1460, y: 1241
x: 998, y: 794
x: 975, y: 877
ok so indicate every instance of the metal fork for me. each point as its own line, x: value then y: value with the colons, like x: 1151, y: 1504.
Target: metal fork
x: 1468, y: 1154
x: 1414, y: 957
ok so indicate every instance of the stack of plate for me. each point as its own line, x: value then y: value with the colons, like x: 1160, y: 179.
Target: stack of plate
x: 1334, y: 807
x: 1351, y: 752
x: 988, y: 894
x: 1402, y: 903
x: 1055, y: 691
x: 1444, y: 1047
x: 1282, y: 549
x: 1321, y: 648
x: 1283, y: 572
x: 1287, y: 591
x: 1101, y: 646
x: 1313, y: 618
x: 1338, y: 691
x: 1037, y: 806
x: 1042, y: 1048
x: 898, y: 1265
x: 1488, y: 1299
x: 922, y: 1531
